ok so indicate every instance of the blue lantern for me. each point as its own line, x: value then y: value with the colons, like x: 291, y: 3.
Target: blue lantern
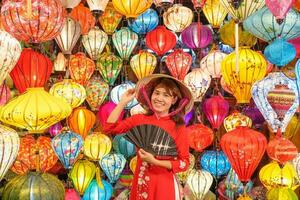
x: 113, y: 165
x: 215, y: 162
x: 280, y: 52
x: 225, y: 48
x: 123, y: 146
x: 117, y: 92
x: 95, y: 192
x: 145, y: 22
x: 67, y: 146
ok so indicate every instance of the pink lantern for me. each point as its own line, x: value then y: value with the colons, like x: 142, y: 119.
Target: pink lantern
x: 4, y: 94
x: 179, y: 63
x: 105, y: 110
x: 296, y: 43
x: 279, y: 8
x: 71, y: 194
x: 55, y: 129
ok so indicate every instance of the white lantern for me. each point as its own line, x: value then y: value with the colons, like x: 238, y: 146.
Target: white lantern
x: 211, y: 63
x: 97, y: 5
x: 70, y: 4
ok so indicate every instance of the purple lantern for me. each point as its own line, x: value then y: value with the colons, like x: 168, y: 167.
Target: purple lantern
x: 105, y: 110
x: 253, y: 112
x: 188, y: 117
x: 55, y: 129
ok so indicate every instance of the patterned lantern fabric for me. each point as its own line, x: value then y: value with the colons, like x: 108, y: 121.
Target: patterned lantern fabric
x: 55, y: 129
x: 143, y: 64
x: 236, y: 119
x: 110, y: 19
x: 5, y: 94
x: 97, y: 91
x: 200, y: 137
x: 145, y: 22
x: 182, y: 176
x: 118, y: 91
x: 41, y: 22
x: 211, y: 63
x: 112, y: 165
x: 133, y: 8
x: 84, y: 16
x: 214, y: 12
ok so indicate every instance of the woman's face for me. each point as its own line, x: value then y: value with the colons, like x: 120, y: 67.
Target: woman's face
x: 162, y: 100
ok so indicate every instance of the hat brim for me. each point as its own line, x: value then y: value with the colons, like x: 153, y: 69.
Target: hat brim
x: 144, y: 82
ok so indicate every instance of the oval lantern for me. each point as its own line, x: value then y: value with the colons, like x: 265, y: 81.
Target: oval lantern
x: 182, y: 176
x: 200, y: 137
x: 236, y: 119
x: 84, y: 16
x: 133, y: 8
x: 281, y: 193
x: 67, y: 146
x: 71, y: 194
x: 81, y: 121
x: 32, y: 70
x: 55, y: 129
x: 96, y: 90
x: 119, y: 90
x: 143, y: 64
x: 123, y: 146
x: 211, y: 63
x: 244, y: 149
x: 253, y: 112
x: 105, y: 110
x: 110, y: 19
x: 112, y: 165
x: 94, y: 191
x: 39, y: 23
x: 214, y: 12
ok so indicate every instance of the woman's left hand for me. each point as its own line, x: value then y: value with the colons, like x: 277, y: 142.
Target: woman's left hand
x: 147, y: 157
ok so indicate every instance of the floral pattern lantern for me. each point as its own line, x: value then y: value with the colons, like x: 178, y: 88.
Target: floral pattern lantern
x: 113, y: 165
x: 200, y: 137
x: 211, y: 63
x: 84, y: 16
x: 182, y: 176
x: 97, y: 91
x: 179, y: 63
x: 123, y: 146
x: 32, y: 70
x: 41, y: 22
x: 118, y: 91
x: 133, y: 8
x: 55, y: 129
x: 110, y: 19
x: 214, y: 13
x: 94, y: 191
x: 67, y: 146
x: 236, y: 119
x: 143, y: 64
x: 145, y: 22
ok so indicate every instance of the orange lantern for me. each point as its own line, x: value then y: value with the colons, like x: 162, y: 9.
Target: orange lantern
x: 110, y: 19
x: 236, y: 119
x: 200, y: 137
x: 84, y: 16
x: 81, y: 121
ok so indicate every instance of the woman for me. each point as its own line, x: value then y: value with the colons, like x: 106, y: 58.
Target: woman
x: 166, y: 100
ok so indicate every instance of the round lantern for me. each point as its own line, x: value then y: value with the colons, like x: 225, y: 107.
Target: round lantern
x: 292, y: 128
x: 251, y: 67
x: 123, y: 146
x: 214, y: 12
x: 200, y: 137
x: 70, y: 91
x: 244, y: 149
x: 67, y: 146
x: 71, y: 194
x: 97, y: 6
x: 163, y: 3
x: 5, y: 94
x: 211, y: 63
x: 160, y: 40
x: 32, y: 70
x: 110, y: 19
x: 138, y: 109
x: 94, y: 191
x: 96, y: 146
x: 281, y: 193
x: 60, y: 63
x: 35, y: 110
x: 39, y: 22
x: 179, y: 63
x: 133, y: 8
x: 105, y: 110
x: 70, y: 4
x: 253, y: 112
x: 215, y: 109
x: 112, y: 165
x: 145, y: 22
x: 94, y: 42
x: 34, y: 155
x: 198, y: 82
x: 84, y: 16
x: 34, y: 185
x: 182, y: 176
x: 178, y: 17
x: 125, y: 40
x: 143, y: 64
x: 236, y: 119
x: 55, y: 129
x: 81, y: 121
x: 117, y: 92
x: 68, y: 36
x: 82, y: 174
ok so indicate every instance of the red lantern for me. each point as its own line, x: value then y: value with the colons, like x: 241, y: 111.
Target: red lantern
x: 200, y: 137
x: 244, y: 149
x: 215, y: 109
x: 160, y: 40
x: 32, y: 70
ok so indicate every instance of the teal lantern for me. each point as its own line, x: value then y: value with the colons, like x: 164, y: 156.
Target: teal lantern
x: 123, y: 146
x: 117, y: 92
x: 113, y: 165
x: 96, y: 192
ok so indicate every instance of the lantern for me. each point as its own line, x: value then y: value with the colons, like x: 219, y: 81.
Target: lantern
x: 32, y: 70
x: 9, y: 145
x: 215, y: 162
x: 198, y: 82
x: 117, y: 92
x: 145, y: 22
x: 123, y: 146
x: 84, y: 16
x: 81, y: 121
x: 211, y: 63
x: 67, y: 146
x: 112, y: 165
x: 39, y: 23
x: 296, y: 43
x: 244, y: 149
x: 34, y: 185
x: 236, y: 119
x: 279, y: 8
x: 97, y: 6
x: 200, y: 137
x: 35, y: 110
x: 55, y: 129
x: 133, y: 163
x: 126, y: 178
x: 214, y: 12
x: 60, y: 63
x: 96, y: 146
x: 215, y: 109
x: 138, y: 109
x: 182, y: 176
x: 125, y: 40
x: 110, y: 19
x: 81, y: 68
x: 5, y: 94
x: 131, y: 9
x: 68, y: 36
x: 268, y: 97
x: 94, y: 191
x: 143, y: 64
x: 292, y: 128
x: 71, y: 194
x: 70, y: 91
x: 251, y: 67
x: 160, y: 40
x: 163, y: 3
x: 70, y: 4
x: 82, y: 174
x: 253, y: 112
x: 105, y: 110
x: 97, y: 91
x: 94, y: 42
x: 272, y: 176
x: 198, y: 4
x: 34, y: 155
x: 281, y: 193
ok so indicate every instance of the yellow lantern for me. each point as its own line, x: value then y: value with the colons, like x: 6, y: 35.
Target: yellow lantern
x: 60, y: 63
x: 244, y: 197
x: 34, y: 110
x: 110, y: 19
x: 272, y: 176
x: 96, y: 146
x: 251, y: 67
x: 281, y: 194
x: 292, y: 128
x: 133, y: 8
x: 214, y: 12
x: 236, y: 119
x: 82, y: 174
x: 73, y: 93
x: 143, y: 64
x: 132, y: 164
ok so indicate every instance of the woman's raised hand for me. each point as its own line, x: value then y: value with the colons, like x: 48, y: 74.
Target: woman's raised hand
x: 127, y: 96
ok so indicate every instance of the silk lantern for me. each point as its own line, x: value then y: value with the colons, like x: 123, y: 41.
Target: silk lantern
x: 123, y: 146
x: 145, y: 22
x: 211, y: 63
x: 163, y: 3
x: 281, y: 193
x: 5, y: 94
x: 71, y: 194
x: 200, y: 137
x: 94, y: 191
x: 239, y: 78
x: 55, y: 129
x: 143, y: 64
x: 117, y: 92
x: 255, y: 115
x: 292, y: 128
x: 110, y: 19
x: 81, y: 121
x: 236, y: 119
x: 84, y: 16
x: 67, y: 146
x: 133, y: 163
x: 35, y: 110
x: 133, y: 8
x: 296, y: 43
x: 70, y: 4
x: 244, y: 149
x: 105, y: 110
x: 60, y: 63
x: 32, y: 70
x: 279, y: 8
x: 97, y: 91
x: 39, y: 22
x: 214, y: 12
x: 112, y: 165
x: 97, y: 6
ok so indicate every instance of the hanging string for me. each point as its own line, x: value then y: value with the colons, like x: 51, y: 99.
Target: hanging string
x: 236, y: 37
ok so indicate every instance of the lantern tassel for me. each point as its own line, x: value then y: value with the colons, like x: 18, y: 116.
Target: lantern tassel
x: 236, y: 37
x: 29, y: 9
x: 98, y: 178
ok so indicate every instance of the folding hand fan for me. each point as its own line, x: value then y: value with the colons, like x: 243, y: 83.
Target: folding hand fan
x: 152, y: 139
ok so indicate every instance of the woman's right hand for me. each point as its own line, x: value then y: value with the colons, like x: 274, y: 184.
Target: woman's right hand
x: 127, y: 96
